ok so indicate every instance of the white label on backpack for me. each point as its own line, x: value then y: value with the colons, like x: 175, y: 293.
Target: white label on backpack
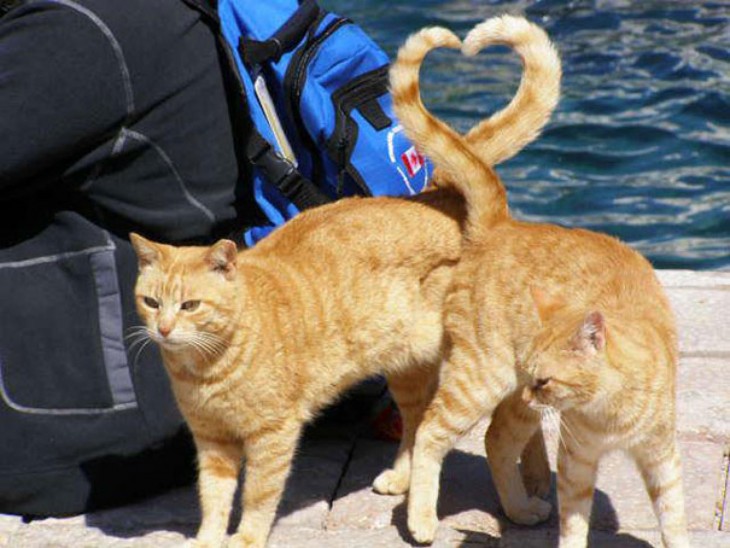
x: 267, y: 105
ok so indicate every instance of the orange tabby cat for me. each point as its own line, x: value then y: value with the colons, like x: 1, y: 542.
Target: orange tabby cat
x: 257, y: 342
x: 547, y: 316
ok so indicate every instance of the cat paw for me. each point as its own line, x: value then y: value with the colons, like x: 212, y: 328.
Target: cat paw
x: 535, y: 511
x: 243, y: 540
x: 536, y: 484
x: 677, y: 541
x: 391, y: 482
x: 422, y: 526
x: 573, y: 541
x: 207, y: 541
x: 197, y: 543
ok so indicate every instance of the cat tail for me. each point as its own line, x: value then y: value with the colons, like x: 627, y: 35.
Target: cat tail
x: 508, y: 131
x: 456, y: 164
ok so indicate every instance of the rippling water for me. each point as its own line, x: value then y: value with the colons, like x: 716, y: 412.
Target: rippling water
x: 640, y: 144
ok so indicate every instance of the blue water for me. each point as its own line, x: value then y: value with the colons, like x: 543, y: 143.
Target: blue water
x: 639, y: 146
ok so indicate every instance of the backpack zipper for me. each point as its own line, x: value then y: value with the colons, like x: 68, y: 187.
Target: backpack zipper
x: 367, y: 86
x: 294, y: 83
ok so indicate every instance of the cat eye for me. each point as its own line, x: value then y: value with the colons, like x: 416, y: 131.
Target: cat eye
x: 149, y: 301
x: 189, y: 306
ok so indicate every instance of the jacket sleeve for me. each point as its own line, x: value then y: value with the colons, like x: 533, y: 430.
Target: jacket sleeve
x: 61, y: 93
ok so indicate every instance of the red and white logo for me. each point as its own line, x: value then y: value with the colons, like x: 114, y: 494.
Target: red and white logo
x: 413, y: 161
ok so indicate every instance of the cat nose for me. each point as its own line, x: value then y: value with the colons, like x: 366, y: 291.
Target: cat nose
x: 164, y: 329
x: 540, y: 383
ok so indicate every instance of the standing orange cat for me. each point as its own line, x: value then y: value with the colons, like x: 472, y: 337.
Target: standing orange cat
x: 537, y: 316
x: 257, y: 342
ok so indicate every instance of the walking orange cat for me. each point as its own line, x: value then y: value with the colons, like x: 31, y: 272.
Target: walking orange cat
x: 540, y: 316
x: 257, y: 342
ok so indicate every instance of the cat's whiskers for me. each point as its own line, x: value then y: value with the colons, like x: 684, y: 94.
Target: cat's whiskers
x: 553, y: 422
x: 205, y: 341
x: 139, y: 339
x: 206, y: 348
x: 213, y: 341
x: 207, y: 345
x: 557, y: 423
x: 137, y: 335
x: 564, y: 427
x: 135, y: 330
x: 201, y: 351
x: 145, y: 344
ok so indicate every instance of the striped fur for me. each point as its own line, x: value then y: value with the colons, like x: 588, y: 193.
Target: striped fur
x: 341, y: 293
x: 278, y: 332
x: 456, y: 164
x: 493, y: 140
x: 508, y: 131
x: 541, y: 317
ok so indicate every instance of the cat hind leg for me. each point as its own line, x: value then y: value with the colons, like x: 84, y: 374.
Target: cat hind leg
x: 466, y: 393
x: 662, y: 473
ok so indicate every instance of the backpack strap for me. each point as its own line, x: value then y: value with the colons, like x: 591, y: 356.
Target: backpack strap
x: 283, y: 175
x: 279, y: 171
x: 255, y: 52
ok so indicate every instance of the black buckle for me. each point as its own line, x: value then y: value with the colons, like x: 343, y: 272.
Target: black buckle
x: 285, y: 39
x: 275, y: 166
x: 254, y: 52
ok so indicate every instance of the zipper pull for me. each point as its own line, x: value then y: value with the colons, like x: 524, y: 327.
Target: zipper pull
x: 341, y: 182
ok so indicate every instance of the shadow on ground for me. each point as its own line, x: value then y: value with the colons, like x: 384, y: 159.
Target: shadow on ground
x: 468, y: 499
x: 337, y: 460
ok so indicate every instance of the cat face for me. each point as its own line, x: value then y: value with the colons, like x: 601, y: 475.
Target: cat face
x: 567, y: 359
x: 186, y: 295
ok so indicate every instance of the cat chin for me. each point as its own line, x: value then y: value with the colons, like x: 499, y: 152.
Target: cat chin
x: 539, y: 407
x: 171, y: 344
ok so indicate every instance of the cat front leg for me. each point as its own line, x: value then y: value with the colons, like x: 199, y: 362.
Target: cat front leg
x: 513, y: 425
x: 577, y: 470
x: 661, y: 469
x: 219, y: 462
x: 269, y: 452
x: 411, y: 390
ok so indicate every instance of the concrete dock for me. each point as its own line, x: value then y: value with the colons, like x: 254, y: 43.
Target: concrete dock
x: 329, y: 502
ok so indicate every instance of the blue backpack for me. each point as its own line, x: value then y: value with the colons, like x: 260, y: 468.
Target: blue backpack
x: 317, y: 117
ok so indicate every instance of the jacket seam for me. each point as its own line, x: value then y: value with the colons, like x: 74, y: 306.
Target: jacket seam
x: 116, y: 48
x: 126, y: 82
x: 192, y: 200
x: 25, y: 263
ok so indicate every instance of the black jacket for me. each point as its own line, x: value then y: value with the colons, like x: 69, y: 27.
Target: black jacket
x: 113, y: 118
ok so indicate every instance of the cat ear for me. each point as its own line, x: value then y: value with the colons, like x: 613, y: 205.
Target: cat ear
x: 148, y: 253
x: 221, y: 257
x: 546, y: 304
x: 591, y: 335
